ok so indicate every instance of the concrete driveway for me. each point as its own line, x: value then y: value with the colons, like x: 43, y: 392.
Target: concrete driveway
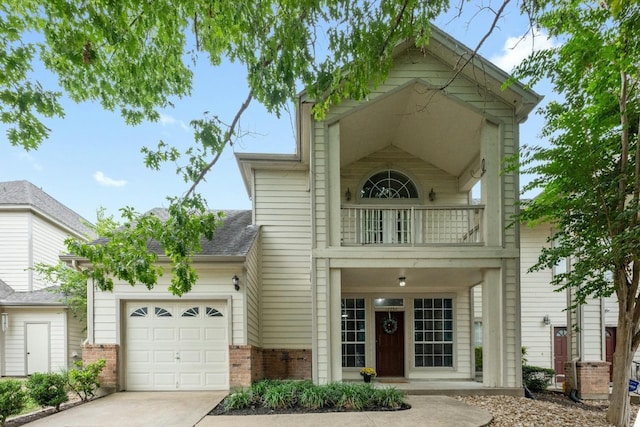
x: 153, y: 409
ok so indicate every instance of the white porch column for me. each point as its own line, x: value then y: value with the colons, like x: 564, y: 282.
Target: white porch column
x: 333, y: 185
x: 491, y: 188
x: 493, y: 317
x: 335, y: 326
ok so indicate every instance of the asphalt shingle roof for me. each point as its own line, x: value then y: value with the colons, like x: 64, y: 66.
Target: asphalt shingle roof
x: 47, y: 296
x: 233, y: 238
x: 24, y: 193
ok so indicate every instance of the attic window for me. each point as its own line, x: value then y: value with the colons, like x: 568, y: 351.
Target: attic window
x: 161, y: 312
x: 389, y: 184
x: 140, y: 312
x: 212, y: 312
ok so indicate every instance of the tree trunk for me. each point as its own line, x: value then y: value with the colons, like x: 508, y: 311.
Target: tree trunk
x: 619, y: 411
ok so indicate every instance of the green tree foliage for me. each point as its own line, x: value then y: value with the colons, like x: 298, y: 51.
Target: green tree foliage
x: 135, y: 57
x: 590, y: 172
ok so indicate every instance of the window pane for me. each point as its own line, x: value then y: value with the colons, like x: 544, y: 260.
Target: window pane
x: 434, y: 337
x: 353, y: 332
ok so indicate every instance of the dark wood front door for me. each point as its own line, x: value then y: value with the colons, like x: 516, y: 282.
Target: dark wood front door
x: 390, y: 344
x: 559, y: 349
x: 610, y: 347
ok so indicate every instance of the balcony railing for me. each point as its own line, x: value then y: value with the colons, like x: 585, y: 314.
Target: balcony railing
x: 412, y: 226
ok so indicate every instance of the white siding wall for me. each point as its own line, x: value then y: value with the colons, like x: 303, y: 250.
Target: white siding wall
x: 14, y: 249
x: 282, y: 210
x: 15, y: 352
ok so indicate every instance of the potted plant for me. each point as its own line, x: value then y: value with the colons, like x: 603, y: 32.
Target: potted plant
x: 367, y: 374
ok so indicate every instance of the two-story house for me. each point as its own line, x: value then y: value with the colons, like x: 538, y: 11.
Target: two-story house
x: 38, y: 333
x: 361, y: 248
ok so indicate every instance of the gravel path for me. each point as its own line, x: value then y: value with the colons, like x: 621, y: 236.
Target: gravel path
x: 546, y: 410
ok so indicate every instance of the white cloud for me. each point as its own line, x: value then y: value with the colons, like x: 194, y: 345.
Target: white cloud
x: 167, y: 120
x: 108, y: 182
x: 32, y: 161
x: 518, y: 48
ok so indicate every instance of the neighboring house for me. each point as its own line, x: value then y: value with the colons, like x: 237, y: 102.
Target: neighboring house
x: 546, y: 328
x: 38, y: 333
x: 361, y: 249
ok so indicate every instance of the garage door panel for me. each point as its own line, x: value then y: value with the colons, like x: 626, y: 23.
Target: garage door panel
x: 139, y: 356
x: 216, y: 356
x: 164, y: 356
x: 177, y: 346
x: 190, y: 334
x: 164, y: 380
x: 164, y: 334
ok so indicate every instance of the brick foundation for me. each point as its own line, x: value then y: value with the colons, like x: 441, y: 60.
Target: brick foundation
x: 248, y: 364
x: 109, y: 376
x: 287, y: 363
x: 592, y: 379
x: 245, y: 365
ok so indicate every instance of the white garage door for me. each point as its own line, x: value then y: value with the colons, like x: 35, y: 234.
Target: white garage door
x: 176, y: 346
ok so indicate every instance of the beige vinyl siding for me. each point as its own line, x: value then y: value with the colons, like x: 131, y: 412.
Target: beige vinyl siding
x: 48, y: 244
x: 286, y: 243
x: 76, y: 334
x: 538, y: 299
x: 424, y: 175
x: 15, y: 351
x: 14, y: 249
x: 213, y: 284
x: 254, y: 293
x: 593, y: 331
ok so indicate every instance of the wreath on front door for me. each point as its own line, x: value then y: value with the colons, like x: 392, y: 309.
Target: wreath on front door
x: 390, y: 325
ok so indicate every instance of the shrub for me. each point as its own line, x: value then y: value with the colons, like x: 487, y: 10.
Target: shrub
x: 389, y: 397
x: 84, y: 381
x: 280, y: 396
x: 536, y: 378
x: 48, y: 389
x: 12, y: 399
x: 239, y: 399
x: 478, y: 354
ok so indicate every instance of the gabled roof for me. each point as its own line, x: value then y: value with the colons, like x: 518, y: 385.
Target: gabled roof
x: 5, y: 290
x: 16, y: 195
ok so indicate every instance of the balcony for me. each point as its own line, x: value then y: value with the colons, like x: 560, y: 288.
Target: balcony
x: 412, y: 226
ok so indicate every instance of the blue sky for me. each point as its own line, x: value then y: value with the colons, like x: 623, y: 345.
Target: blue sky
x: 92, y: 158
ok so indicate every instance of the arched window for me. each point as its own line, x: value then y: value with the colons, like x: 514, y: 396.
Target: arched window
x: 389, y: 184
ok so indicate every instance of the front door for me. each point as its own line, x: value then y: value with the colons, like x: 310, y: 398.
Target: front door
x: 610, y: 346
x: 559, y: 349
x: 390, y: 343
x: 37, y: 347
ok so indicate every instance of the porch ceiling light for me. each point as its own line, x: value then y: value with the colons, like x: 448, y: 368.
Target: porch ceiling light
x: 236, y: 282
x: 402, y: 281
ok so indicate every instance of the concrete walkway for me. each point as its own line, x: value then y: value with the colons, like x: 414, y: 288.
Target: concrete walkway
x: 187, y: 409
x: 137, y: 409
